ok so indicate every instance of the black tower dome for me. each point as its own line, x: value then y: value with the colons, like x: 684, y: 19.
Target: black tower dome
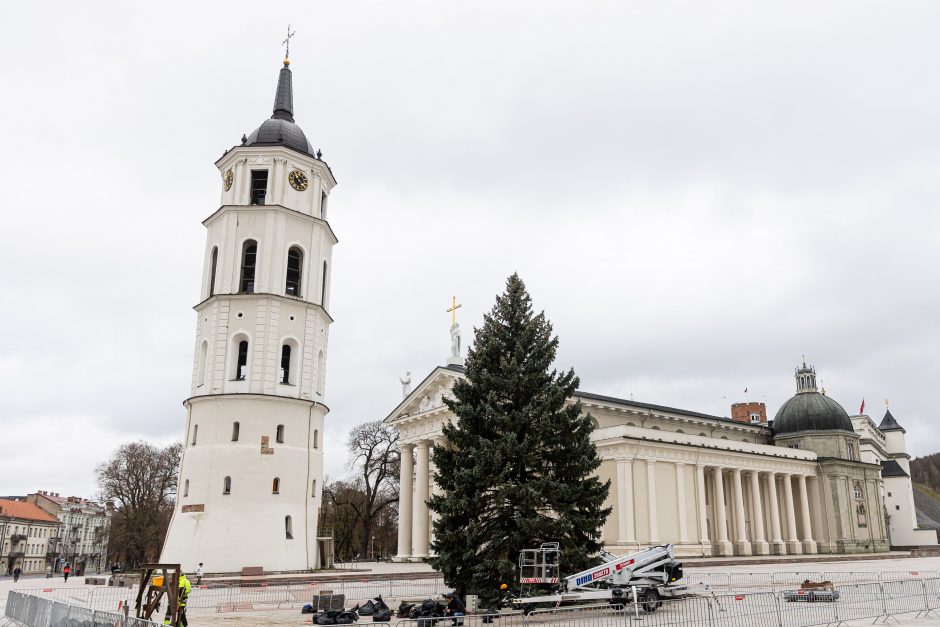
x: 280, y: 129
x: 809, y: 410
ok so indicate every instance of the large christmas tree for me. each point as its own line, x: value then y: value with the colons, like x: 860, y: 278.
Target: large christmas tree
x: 519, y: 466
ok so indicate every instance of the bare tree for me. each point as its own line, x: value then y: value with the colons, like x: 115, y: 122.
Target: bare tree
x: 141, y: 479
x: 375, y: 460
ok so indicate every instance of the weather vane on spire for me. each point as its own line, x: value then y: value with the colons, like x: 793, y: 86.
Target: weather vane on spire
x: 286, y: 43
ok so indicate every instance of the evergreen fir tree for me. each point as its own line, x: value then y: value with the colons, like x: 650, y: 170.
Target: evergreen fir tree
x: 519, y: 466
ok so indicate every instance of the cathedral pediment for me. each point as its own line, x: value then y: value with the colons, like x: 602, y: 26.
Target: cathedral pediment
x: 428, y: 396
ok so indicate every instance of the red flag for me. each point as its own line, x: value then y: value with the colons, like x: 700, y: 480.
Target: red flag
x: 861, y: 409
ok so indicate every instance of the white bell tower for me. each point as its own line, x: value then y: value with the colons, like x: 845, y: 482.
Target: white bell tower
x: 252, y: 468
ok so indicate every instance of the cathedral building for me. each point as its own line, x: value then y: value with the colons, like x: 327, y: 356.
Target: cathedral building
x: 252, y: 469
x: 813, y: 480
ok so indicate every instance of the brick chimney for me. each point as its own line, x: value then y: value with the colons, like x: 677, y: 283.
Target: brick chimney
x: 750, y: 413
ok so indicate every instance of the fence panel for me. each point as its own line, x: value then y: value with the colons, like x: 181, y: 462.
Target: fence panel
x: 859, y: 601
x: 903, y: 597
x: 800, y: 611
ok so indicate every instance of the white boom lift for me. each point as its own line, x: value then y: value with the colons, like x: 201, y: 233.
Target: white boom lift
x: 646, y: 576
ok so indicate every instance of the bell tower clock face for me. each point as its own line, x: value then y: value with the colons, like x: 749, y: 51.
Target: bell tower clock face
x: 298, y: 180
x: 227, y: 179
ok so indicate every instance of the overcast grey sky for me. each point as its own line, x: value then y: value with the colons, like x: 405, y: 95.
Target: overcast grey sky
x: 695, y: 193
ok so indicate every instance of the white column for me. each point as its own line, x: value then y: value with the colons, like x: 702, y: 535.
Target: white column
x: 419, y: 538
x: 741, y: 544
x: 793, y: 543
x: 406, y: 486
x: 702, y: 508
x: 651, y: 500
x: 809, y: 545
x: 722, y: 545
x: 627, y: 528
x: 680, y: 502
x: 759, y: 545
x: 776, y: 540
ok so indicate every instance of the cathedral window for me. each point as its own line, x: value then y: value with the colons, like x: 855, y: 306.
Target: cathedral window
x: 235, y: 429
x: 195, y: 433
x: 276, y: 486
x: 227, y: 485
x: 241, y: 365
x: 313, y: 489
x: 280, y: 434
x: 285, y: 364
x: 316, y: 437
x: 323, y: 286
x: 288, y: 528
x: 321, y: 364
x: 214, y: 262
x: 295, y: 262
x: 249, y: 262
x: 323, y: 205
x: 857, y: 492
x: 259, y: 186
x: 851, y: 451
x: 201, y: 366
x: 186, y: 488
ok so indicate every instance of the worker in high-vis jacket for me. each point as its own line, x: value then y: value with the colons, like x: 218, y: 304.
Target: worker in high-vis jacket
x: 182, y: 597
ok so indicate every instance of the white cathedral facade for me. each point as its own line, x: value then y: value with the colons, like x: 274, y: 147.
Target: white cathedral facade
x: 252, y: 469
x: 815, y: 480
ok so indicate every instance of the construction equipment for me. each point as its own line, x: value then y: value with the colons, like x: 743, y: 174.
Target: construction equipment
x: 152, y: 589
x: 646, y: 577
x: 812, y: 591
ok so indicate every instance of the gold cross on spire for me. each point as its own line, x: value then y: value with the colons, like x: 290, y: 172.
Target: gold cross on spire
x: 453, y: 310
x: 886, y: 402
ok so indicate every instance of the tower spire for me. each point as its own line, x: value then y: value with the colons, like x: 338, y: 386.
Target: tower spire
x: 284, y: 96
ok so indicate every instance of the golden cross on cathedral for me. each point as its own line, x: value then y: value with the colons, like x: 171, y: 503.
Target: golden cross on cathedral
x: 453, y: 310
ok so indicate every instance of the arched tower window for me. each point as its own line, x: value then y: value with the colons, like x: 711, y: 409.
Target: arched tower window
x: 276, y: 486
x: 249, y: 263
x: 323, y: 286
x: 195, y: 433
x: 316, y: 438
x: 295, y: 262
x: 241, y: 359
x: 323, y: 205
x: 280, y: 434
x: 321, y: 376
x: 236, y: 427
x: 186, y: 488
x: 214, y: 263
x: 313, y: 489
x: 201, y: 365
x: 288, y: 528
x: 227, y: 485
x: 285, y: 364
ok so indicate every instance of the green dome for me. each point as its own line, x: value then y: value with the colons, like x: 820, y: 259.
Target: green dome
x: 811, y: 411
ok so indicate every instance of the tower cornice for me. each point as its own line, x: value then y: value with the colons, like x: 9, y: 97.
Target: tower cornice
x: 285, y: 399
x: 262, y: 208
x: 253, y: 296
x: 231, y: 155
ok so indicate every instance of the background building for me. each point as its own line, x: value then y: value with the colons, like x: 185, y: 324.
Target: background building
x: 251, y: 474
x: 27, y: 537
x: 85, y: 530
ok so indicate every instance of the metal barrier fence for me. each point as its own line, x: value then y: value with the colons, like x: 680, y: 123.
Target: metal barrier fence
x: 31, y: 611
x: 729, y: 599
x: 782, y: 580
x: 248, y: 596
